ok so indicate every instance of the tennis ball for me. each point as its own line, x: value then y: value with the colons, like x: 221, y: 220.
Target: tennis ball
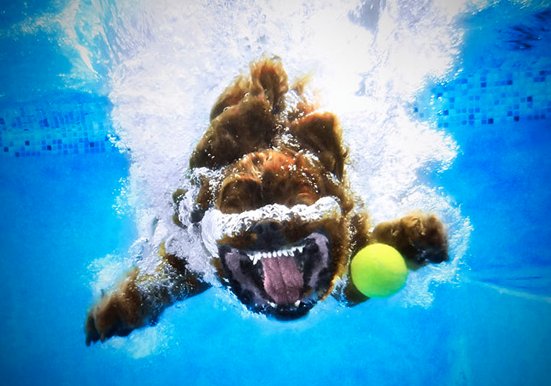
x: 378, y: 270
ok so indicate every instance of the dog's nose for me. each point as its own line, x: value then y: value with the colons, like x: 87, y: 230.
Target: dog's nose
x: 265, y: 228
x: 269, y: 235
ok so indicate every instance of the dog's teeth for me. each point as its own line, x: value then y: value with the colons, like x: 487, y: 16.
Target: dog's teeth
x: 257, y: 257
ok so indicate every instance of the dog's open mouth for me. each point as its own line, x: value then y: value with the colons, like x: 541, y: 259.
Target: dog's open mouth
x: 284, y: 282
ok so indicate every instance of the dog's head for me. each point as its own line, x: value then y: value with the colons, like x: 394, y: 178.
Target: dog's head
x: 284, y: 236
x: 280, y: 194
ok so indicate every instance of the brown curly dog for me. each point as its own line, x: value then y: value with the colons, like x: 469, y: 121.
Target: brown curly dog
x: 272, y: 148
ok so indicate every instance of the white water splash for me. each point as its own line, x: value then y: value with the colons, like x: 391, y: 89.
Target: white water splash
x: 216, y: 225
x: 165, y: 62
x: 107, y: 271
x: 144, y: 342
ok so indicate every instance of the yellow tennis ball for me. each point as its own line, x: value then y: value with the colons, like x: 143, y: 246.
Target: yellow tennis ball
x: 378, y: 270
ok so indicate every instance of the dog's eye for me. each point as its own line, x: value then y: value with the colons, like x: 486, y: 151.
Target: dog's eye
x: 240, y: 195
x: 306, y: 198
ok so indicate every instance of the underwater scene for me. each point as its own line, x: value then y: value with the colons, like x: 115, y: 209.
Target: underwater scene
x: 268, y: 192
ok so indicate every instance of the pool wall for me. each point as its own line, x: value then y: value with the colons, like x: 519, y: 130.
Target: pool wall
x: 472, y: 99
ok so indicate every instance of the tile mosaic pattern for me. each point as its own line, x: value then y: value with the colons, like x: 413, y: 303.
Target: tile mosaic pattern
x: 73, y: 124
x: 488, y: 98
x: 80, y: 123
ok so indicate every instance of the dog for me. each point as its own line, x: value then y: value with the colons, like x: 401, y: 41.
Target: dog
x: 291, y: 220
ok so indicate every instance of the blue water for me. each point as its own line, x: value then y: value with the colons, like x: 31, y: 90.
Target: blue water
x: 488, y: 326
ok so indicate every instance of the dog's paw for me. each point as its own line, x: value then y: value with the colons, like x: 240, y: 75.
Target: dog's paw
x: 117, y: 314
x: 107, y: 319
x: 420, y: 237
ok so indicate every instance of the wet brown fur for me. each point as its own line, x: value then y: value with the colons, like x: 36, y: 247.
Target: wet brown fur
x: 268, y: 153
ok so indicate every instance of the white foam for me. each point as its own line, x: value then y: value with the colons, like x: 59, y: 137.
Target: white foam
x: 166, y: 61
x: 144, y: 342
x: 215, y: 224
x: 106, y: 271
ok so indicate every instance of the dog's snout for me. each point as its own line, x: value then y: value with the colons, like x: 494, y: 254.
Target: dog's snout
x: 268, y: 235
x: 266, y: 228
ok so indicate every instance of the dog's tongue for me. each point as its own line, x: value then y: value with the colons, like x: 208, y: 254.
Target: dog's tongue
x: 282, y: 279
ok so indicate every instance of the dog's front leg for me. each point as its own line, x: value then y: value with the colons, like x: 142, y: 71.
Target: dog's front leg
x: 421, y: 238
x: 140, y: 299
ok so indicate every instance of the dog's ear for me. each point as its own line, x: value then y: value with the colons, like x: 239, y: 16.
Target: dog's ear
x: 320, y: 133
x: 231, y: 96
x: 245, y: 117
x: 240, y: 129
x: 269, y: 80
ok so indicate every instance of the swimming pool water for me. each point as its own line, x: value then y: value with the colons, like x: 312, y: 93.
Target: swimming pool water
x: 62, y: 211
